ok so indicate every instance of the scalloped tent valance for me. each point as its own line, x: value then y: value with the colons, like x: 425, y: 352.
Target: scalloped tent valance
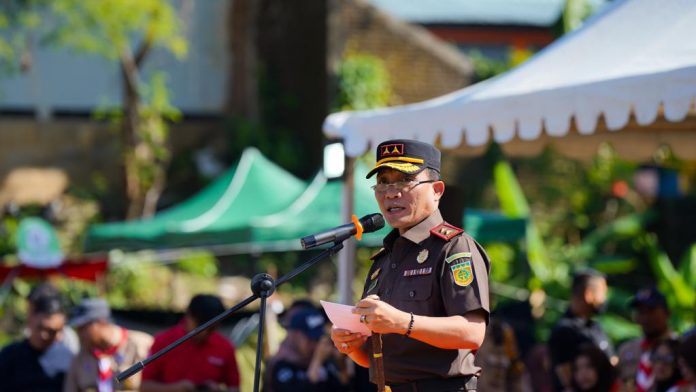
x: 634, y: 60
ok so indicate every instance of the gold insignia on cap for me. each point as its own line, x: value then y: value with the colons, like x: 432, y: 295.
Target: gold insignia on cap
x: 422, y: 256
x: 392, y: 149
x: 375, y: 274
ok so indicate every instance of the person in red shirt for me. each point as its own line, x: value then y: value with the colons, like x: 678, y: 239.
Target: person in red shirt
x: 205, y: 362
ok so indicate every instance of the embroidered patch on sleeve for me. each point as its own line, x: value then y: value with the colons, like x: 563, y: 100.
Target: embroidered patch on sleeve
x: 460, y: 255
x: 462, y: 273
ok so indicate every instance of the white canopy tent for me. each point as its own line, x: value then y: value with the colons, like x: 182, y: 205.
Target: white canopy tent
x: 630, y: 65
x: 628, y: 68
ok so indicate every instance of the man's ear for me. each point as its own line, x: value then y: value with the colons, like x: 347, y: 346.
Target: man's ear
x: 439, y: 188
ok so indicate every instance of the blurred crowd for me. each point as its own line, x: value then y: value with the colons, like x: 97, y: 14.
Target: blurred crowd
x: 579, y: 356
x: 83, y: 349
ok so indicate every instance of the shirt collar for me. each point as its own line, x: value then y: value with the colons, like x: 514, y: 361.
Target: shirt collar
x: 421, y: 231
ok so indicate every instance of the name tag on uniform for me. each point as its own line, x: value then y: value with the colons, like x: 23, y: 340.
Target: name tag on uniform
x: 418, y: 271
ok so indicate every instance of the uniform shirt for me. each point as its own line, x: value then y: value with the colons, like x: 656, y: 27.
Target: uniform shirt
x: 569, y: 333
x: 423, y: 273
x: 212, y: 360
x: 21, y: 370
x: 84, y: 374
x: 634, y: 365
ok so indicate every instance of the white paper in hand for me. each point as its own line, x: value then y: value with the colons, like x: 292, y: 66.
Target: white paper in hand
x: 341, y: 316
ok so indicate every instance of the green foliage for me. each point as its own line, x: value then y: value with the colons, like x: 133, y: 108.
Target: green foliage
x: 110, y: 28
x: 363, y: 83
x: 504, y: 257
x: 486, y: 67
x: 575, y: 13
x: 199, y: 263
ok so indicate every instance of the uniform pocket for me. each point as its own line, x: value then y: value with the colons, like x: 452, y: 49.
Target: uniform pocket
x: 415, y: 289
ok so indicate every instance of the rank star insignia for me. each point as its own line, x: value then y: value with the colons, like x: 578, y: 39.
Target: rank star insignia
x: 446, y: 231
x: 375, y: 274
x: 422, y: 256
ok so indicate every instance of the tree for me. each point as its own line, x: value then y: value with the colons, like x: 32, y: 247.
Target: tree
x: 125, y: 31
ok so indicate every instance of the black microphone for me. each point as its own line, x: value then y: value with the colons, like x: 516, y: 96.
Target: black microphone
x: 366, y: 224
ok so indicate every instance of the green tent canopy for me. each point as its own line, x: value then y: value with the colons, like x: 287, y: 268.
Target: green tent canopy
x: 317, y: 209
x: 219, y: 214
x: 490, y: 226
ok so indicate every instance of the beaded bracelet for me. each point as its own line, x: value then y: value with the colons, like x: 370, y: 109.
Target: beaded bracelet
x: 410, y: 326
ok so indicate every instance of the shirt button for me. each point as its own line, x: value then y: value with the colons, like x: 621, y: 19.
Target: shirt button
x: 393, y: 265
x: 387, y: 291
x: 412, y: 293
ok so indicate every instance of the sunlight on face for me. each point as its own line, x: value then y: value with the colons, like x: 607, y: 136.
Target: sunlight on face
x: 404, y: 209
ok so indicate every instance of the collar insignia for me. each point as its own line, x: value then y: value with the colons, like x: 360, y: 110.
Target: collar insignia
x: 446, y: 231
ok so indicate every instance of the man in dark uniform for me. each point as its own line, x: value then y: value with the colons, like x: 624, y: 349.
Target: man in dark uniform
x: 427, y: 290
x: 578, y: 326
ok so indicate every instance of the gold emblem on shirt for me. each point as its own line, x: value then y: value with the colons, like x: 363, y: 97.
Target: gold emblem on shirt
x: 422, y: 256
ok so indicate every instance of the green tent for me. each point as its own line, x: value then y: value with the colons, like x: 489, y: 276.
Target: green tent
x: 490, y: 226
x: 219, y: 214
x: 317, y: 209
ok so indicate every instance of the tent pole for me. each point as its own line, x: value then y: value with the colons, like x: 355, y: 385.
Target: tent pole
x: 346, y: 257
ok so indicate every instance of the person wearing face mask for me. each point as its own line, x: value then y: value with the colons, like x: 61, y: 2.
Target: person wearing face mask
x: 578, y: 326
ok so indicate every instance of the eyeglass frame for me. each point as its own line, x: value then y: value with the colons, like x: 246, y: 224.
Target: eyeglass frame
x: 405, y: 185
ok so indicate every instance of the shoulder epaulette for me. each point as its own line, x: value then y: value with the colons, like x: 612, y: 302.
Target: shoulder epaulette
x: 446, y: 231
x: 377, y: 254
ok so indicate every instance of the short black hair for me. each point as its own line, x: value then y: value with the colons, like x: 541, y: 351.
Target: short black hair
x: 46, y: 299
x: 584, y: 279
x: 204, y: 307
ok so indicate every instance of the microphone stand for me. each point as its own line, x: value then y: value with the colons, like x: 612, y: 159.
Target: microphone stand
x: 262, y: 286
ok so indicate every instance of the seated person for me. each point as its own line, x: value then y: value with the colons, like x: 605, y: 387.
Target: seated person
x: 106, y: 349
x: 306, y: 359
x: 206, y: 362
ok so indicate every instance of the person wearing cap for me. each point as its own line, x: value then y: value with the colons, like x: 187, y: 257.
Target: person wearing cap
x: 651, y: 312
x: 306, y: 359
x: 206, y: 362
x: 427, y: 290
x: 39, y: 361
x: 578, y: 326
x: 106, y: 350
